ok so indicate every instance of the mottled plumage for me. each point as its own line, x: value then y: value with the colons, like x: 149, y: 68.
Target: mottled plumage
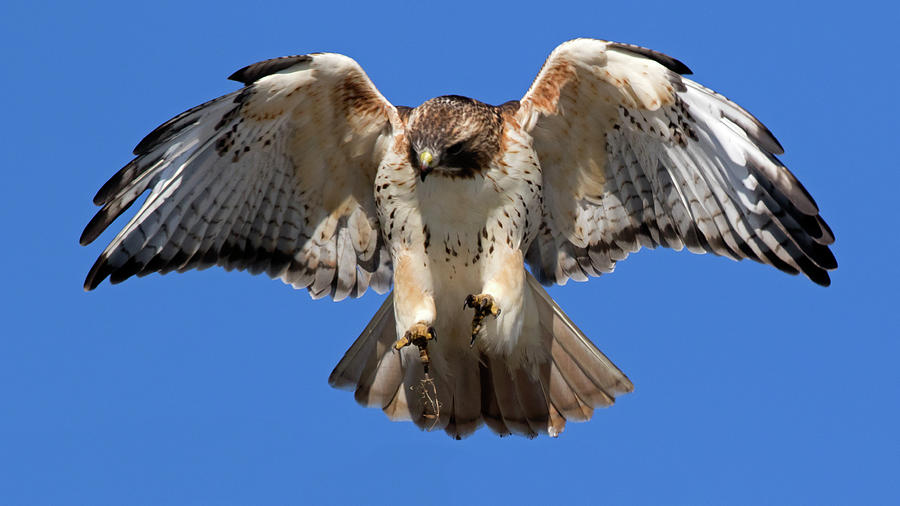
x: 308, y: 174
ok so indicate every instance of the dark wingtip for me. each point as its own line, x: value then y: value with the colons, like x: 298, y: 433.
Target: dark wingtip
x: 97, y: 274
x: 819, y: 277
x: 766, y: 131
x: 254, y: 72
x: 825, y: 258
x: 89, y: 234
x: 661, y: 58
x: 154, y: 137
x: 827, y: 230
x: 677, y: 66
x: 96, y: 226
x: 120, y: 179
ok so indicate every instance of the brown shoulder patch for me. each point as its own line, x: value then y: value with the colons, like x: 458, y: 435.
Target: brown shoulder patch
x: 359, y: 96
x: 549, y: 83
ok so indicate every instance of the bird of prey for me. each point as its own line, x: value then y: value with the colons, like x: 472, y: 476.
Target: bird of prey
x: 308, y: 174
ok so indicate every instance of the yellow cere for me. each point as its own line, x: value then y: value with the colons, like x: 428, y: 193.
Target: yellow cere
x: 426, y: 158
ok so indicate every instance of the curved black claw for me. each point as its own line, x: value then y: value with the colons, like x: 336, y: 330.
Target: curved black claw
x: 484, y: 305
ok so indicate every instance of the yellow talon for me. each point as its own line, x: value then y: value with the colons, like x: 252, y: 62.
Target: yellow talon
x: 484, y: 305
x: 401, y: 343
x: 419, y: 335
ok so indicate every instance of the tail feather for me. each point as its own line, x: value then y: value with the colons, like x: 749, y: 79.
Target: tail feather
x: 467, y: 388
x: 490, y: 408
x: 369, y: 367
x: 465, y: 412
x: 505, y: 393
x: 557, y: 422
x: 593, y: 364
x: 578, y: 381
x: 564, y: 399
x: 534, y: 405
x: 398, y: 409
x: 380, y: 387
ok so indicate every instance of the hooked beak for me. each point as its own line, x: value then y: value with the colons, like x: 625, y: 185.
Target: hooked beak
x: 425, y: 161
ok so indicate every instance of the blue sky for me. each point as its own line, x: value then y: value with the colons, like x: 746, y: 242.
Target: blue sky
x: 210, y: 387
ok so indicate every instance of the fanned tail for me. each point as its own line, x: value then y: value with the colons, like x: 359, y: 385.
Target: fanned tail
x: 579, y: 377
x: 467, y: 387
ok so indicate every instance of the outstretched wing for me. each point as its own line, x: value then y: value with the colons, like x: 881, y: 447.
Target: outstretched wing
x: 635, y: 155
x: 277, y: 177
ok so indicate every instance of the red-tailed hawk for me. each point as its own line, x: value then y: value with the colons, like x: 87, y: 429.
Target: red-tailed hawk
x: 308, y: 174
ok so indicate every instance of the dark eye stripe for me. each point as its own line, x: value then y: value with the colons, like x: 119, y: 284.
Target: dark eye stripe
x: 464, y: 160
x: 455, y: 149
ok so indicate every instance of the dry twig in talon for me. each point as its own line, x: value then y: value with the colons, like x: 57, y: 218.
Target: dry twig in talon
x: 430, y: 400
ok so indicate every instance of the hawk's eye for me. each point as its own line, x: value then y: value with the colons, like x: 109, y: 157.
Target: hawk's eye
x: 455, y: 149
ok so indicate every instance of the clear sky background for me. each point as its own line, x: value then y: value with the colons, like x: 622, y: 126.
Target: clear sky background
x: 752, y: 386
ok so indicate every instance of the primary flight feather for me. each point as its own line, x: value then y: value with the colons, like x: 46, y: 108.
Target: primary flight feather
x: 310, y: 175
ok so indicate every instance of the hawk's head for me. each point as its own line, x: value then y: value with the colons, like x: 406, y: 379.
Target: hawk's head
x: 453, y: 136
